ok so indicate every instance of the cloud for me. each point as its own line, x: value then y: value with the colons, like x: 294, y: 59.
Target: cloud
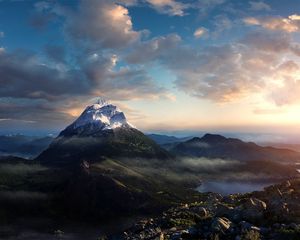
x: 128, y: 2
x: 180, y: 8
x: 23, y: 74
x: 170, y: 7
x: 290, y: 24
x: 294, y: 17
x: 42, y: 16
x: 259, y: 6
x: 223, y: 73
x: 221, y: 23
x: 56, y: 53
x: 219, y: 74
x: 41, y: 90
x: 153, y: 49
x: 2, y: 34
x: 54, y: 87
x: 32, y: 113
x: 271, y: 42
x: 288, y: 93
x: 206, y: 6
x: 101, y: 23
x: 200, y: 32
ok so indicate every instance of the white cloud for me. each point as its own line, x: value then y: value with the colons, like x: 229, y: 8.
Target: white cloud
x: 170, y: 7
x: 200, y: 32
x: 295, y: 17
x: 289, y: 93
x: 1, y: 34
x: 290, y: 24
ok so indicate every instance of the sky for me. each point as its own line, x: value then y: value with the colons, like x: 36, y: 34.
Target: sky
x: 170, y: 65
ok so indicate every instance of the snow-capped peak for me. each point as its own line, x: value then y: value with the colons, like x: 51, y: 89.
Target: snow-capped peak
x: 100, y: 102
x: 101, y: 115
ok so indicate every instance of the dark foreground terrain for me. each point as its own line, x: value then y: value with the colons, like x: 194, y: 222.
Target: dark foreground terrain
x: 270, y: 214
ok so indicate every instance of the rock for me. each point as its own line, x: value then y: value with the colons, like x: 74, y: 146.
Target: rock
x: 256, y: 204
x: 161, y: 236
x: 245, y: 225
x: 264, y: 230
x: 223, y: 210
x: 294, y: 226
x: 279, y: 210
x: 220, y: 224
x: 253, y: 210
x: 201, y: 211
x: 193, y: 231
x: 176, y: 236
x: 230, y: 199
x: 288, y: 184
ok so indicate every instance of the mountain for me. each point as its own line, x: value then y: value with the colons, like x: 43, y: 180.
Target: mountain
x: 102, y: 130
x: 165, y: 139
x: 23, y: 146
x: 217, y: 146
x: 101, y: 166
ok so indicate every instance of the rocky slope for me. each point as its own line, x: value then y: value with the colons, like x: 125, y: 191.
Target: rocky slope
x: 270, y: 214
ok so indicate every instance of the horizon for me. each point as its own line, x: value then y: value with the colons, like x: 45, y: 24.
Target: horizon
x: 217, y: 66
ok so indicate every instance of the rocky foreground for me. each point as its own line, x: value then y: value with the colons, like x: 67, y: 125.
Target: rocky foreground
x: 270, y: 214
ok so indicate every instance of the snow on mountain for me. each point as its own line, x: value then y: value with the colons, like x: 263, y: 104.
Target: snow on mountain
x: 101, y: 115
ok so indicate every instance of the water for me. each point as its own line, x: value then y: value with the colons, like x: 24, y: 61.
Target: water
x: 232, y: 187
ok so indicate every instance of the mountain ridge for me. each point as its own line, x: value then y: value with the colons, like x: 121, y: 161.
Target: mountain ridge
x: 218, y: 146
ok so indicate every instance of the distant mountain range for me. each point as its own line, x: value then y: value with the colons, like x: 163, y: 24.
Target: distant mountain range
x: 217, y: 146
x: 23, y: 146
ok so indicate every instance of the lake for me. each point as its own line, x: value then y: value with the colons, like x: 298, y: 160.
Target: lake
x: 232, y: 186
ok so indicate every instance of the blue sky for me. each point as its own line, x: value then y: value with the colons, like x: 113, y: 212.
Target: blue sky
x: 201, y: 65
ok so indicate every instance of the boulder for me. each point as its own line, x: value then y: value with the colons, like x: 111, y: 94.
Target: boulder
x: 201, y: 211
x: 220, y: 224
x: 223, y: 210
x: 253, y: 210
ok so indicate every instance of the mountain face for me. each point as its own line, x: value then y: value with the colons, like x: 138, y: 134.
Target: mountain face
x: 217, y: 146
x: 101, y: 131
x: 97, y: 118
